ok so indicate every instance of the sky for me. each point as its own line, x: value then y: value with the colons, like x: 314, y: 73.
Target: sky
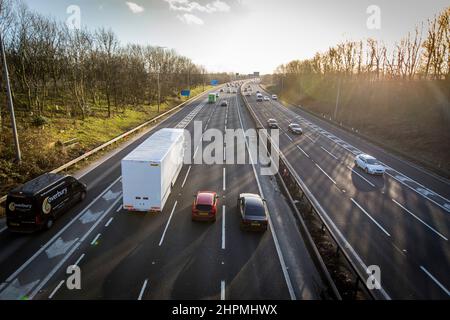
x: 246, y: 36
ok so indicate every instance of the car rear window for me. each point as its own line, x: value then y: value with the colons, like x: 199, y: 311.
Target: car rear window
x: 254, y: 208
x: 203, y: 207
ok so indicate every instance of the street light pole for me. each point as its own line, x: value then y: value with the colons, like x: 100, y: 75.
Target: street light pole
x: 10, y: 101
x: 159, y: 89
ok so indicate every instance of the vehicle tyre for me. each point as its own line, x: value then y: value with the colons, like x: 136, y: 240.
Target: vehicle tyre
x: 366, y: 170
x: 49, y: 224
x: 82, y: 195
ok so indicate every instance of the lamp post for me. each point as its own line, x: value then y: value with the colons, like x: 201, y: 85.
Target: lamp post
x: 10, y: 101
x: 158, y: 81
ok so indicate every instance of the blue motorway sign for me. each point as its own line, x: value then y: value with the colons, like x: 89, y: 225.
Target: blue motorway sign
x: 185, y: 93
x: 214, y: 82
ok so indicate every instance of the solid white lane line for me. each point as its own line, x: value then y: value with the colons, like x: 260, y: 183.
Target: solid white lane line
x: 224, y: 178
x: 447, y: 292
x: 143, y: 289
x: 329, y: 152
x: 224, y: 154
x: 222, y: 290
x: 325, y: 173
x: 360, y: 175
x: 288, y: 137
x: 370, y: 217
x: 96, y: 238
x: 185, y: 178
x: 56, y: 289
x: 109, y: 222
x: 168, y: 222
x: 79, y: 260
x: 303, y: 151
x: 223, y: 227
x: 426, y: 224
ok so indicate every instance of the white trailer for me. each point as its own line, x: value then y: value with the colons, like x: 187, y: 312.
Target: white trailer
x: 150, y: 170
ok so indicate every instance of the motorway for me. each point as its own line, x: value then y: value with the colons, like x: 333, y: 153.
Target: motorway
x: 399, y: 222
x: 126, y: 255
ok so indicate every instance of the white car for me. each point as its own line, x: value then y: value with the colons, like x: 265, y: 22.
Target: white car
x: 274, y: 97
x: 369, y: 164
x: 266, y: 98
x: 295, y: 128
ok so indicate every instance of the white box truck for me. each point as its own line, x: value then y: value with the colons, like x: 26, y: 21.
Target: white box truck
x: 150, y: 170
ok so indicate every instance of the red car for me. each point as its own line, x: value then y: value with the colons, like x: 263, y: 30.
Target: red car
x: 204, y: 207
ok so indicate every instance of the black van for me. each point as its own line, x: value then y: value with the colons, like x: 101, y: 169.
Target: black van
x: 36, y: 204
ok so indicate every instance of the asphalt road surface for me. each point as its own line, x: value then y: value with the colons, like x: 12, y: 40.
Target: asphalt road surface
x: 399, y: 221
x: 125, y: 255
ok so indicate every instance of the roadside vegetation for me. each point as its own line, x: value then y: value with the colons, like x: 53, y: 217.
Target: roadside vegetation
x: 398, y: 97
x: 74, y: 89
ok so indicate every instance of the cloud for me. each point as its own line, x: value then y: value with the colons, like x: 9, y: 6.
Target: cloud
x: 191, y: 6
x: 135, y: 8
x: 190, y: 19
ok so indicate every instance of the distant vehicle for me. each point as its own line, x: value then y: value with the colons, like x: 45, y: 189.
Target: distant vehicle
x: 221, y: 90
x: 204, y: 207
x: 272, y: 123
x: 150, y: 170
x: 212, y: 98
x: 36, y: 204
x: 245, y: 89
x: 295, y: 128
x: 224, y: 103
x: 248, y: 93
x: 234, y: 91
x: 274, y: 97
x: 259, y: 97
x: 369, y: 164
x: 217, y: 95
x: 229, y: 91
x: 266, y: 98
x: 253, y: 212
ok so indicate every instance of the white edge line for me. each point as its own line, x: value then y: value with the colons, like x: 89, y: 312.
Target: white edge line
x: 426, y: 224
x: 370, y: 217
x: 56, y: 289
x: 144, y: 286
x: 3, y: 229
x: 168, y: 222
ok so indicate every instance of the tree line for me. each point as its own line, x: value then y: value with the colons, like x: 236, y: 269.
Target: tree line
x: 76, y: 70
x: 419, y: 55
